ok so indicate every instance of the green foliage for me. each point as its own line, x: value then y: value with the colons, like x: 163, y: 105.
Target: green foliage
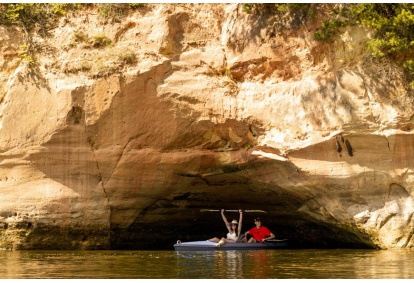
x: 115, y: 12
x: 44, y: 15
x: 136, y: 5
x: 409, y: 67
x: 30, y: 15
x: 100, y: 41
x: 41, y: 17
x: 96, y: 41
x: 248, y: 8
x: 329, y: 29
x: 129, y: 57
x: 297, y: 10
x: 293, y: 7
x: 25, y: 56
x: 276, y: 8
x: 255, y: 8
x: 101, y: 65
x: 393, y: 24
x: 80, y: 37
x: 281, y: 16
x: 111, y: 11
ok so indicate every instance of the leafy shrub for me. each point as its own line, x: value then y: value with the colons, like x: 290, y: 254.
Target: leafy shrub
x: 25, y: 56
x: 276, y: 8
x: 393, y: 24
x: 129, y: 58
x: 329, y: 29
x: 290, y: 15
x: 80, y: 37
x: 100, y: 41
x: 115, y: 12
x: 75, y: 67
x: 30, y: 15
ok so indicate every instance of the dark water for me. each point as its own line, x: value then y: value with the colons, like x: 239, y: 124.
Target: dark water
x: 287, y: 264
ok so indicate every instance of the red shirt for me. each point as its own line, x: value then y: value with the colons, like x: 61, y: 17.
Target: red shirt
x: 259, y: 233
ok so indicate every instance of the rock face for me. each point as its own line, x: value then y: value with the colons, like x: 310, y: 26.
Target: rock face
x: 198, y: 106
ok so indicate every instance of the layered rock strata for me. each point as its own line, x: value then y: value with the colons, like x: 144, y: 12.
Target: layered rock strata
x: 218, y: 109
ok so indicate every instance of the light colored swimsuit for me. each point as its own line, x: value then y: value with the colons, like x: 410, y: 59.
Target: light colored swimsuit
x: 232, y: 236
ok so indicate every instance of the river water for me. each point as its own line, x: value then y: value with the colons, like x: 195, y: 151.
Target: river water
x: 264, y: 264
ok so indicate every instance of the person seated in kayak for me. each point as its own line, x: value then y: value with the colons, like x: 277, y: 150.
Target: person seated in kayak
x: 259, y: 233
x: 234, y: 229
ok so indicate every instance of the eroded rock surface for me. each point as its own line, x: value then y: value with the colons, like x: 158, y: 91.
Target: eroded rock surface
x: 219, y: 110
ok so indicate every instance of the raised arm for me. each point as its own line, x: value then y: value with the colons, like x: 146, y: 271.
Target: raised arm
x: 225, y: 220
x: 240, y: 222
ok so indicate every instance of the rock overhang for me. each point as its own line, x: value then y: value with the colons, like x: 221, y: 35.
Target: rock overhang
x: 314, y: 134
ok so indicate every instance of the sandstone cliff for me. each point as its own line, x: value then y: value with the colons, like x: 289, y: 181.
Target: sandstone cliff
x: 197, y: 106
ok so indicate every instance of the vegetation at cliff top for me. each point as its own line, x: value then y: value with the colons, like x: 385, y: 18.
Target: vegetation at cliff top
x: 276, y: 7
x: 43, y: 17
x: 393, y: 24
x: 29, y: 15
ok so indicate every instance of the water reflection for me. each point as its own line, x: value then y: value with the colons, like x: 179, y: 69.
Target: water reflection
x: 234, y: 265
x: 385, y: 264
x: 285, y: 264
x: 260, y: 263
x: 229, y: 264
x: 299, y: 264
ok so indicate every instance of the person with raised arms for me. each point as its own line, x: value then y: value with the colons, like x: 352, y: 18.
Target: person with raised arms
x: 234, y: 230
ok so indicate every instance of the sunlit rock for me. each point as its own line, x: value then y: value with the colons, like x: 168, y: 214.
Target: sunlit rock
x: 217, y: 111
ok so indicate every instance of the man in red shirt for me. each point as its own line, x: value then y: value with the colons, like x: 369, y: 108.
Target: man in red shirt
x: 259, y: 233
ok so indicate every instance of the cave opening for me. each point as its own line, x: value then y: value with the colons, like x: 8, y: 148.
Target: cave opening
x: 181, y: 217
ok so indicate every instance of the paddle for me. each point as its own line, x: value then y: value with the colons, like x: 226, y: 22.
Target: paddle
x: 231, y: 210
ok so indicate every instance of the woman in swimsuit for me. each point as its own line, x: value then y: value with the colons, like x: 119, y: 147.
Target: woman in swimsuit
x: 234, y: 231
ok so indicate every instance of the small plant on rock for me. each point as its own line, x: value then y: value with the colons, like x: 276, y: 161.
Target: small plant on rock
x: 25, y: 56
x: 100, y: 41
x: 129, y: 58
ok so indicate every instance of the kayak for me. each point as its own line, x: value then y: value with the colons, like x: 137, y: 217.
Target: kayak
x: 211, y: 246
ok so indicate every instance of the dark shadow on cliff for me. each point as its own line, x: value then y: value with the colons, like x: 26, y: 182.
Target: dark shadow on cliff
x: 179, y: 217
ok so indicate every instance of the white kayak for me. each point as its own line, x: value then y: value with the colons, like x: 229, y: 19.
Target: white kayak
x: 211, y: 246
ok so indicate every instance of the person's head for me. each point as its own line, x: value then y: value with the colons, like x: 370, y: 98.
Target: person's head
x: 234, y: 224
x: 258, y: 222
